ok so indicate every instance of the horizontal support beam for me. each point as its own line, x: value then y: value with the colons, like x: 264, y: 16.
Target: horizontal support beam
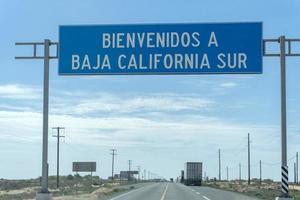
x: 34, y: 43
x: 277, y: 55
x: 277, y: 40
x: 289, y: 47
x: 265, y: 41
x: 34, y: 53
x: 35, y: 57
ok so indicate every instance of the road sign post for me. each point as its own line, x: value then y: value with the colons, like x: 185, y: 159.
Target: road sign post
x: 44, y: 194
x: 284, y: 166
x: 45, y: 166
x: 282, y: 55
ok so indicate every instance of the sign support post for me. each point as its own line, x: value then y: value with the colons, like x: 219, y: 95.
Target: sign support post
x: 284, y: 166
x: 282, y: 55
x: 44, y: 194
x: 45, y: 165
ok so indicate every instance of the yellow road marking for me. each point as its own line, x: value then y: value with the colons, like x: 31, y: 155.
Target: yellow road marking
x: 165, y: 193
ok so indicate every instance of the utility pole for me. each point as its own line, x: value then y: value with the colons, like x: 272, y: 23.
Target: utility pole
x: 219, y: 164
x: 295, y: 178
x: 113, y: 163
x: 260, y: 175
x: 139, y: 170
x: 129, y: 169
x: 240, y: 172
x: 58, y: 136
x: 297, y: 169
x: 145, y: 174
x: 227, y: 172
x: 249, y: 178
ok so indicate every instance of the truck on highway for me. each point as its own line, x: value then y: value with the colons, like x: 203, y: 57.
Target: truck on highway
x: 193, y: 173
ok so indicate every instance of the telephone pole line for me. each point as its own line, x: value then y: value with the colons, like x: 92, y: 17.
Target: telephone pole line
x: 240, y: 172
x: 58, y: 136
x: 260, y: 175
x: 219, y: 164
x: 139, y: 170
x: 129, y: 169
x: 295, y: 176
x: 113, y: 163
x: 227, y: 172
x: 249, y: 178
x: 297, y: 169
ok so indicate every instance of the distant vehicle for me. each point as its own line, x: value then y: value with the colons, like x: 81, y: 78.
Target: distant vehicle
x: 193, y: 173
x: 172, y: 180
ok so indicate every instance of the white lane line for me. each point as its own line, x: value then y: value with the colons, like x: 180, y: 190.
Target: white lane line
x: 125, y: 194
x: 205, y: 197
x: 122, y: 195
x: 165, y: 192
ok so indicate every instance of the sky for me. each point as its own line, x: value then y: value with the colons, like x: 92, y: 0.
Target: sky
x: 159, y: 122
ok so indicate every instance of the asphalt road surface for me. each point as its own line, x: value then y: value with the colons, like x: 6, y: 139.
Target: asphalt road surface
x: 176, y: 191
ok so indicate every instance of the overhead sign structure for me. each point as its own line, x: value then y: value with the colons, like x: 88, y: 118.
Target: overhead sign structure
x: 217, y: 48
x: 84, y: 166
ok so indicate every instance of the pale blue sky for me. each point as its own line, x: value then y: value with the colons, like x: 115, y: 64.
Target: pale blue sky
x: 159, y: 122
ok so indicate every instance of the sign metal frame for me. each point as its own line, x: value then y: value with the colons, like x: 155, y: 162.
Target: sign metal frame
x: 283, y: 54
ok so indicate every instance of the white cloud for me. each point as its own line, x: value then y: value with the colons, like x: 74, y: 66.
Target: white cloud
x: 129, y: 130
x: 17, y: 91
x: 228, y: 85
x: 134, y: 103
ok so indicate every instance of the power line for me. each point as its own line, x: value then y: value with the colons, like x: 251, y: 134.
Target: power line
x: 227, y: 172
x: 297, y: 171
x: 295, y: 177
x: 129, y: 169
x: 58, y: 136
x: 249, y: 178
x: 139, y: 171
x: 240, y: 172
x: 219, y: 164
x: 260, y: 174
x: 113, y: 163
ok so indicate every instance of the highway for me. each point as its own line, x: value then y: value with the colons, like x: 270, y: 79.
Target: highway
x: 176, y: 191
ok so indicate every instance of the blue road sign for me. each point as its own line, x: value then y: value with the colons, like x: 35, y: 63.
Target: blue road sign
x: 217, y: 48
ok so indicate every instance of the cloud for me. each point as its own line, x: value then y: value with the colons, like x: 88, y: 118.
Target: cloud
x: 139, y: 123
x: 213, y: 87
x: 108, y: 103
x: 228, y: 85
x: 20, y: 126
x: 17, y: 91
x: 131, y: 131
x: 126, y: 120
